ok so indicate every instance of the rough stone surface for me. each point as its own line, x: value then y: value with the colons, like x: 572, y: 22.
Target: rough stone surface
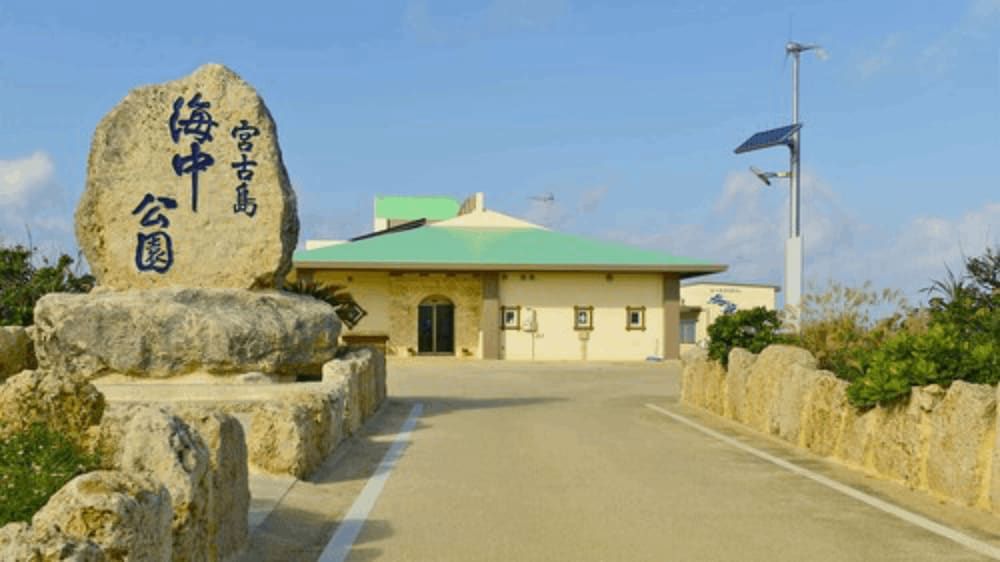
x: 962, y: 432
x: 897, y: 444
x: 899, y: 437
x: 230, y: 495
x: 854, y: 444
x: 348, y: 380
x: 943, y: 442
x: 362, y: 375
x: 764, y: 384
x: 793, y: 389
x: 64, y: 403
x: 132, y: 155
x: 161, y: 445
x: 168, y: 332
x: 126, y: 515
x: 17, y: 351
x: 714, y: 381
x: 692, y: 355
x: 292, y: 436
x: 19, y: 543
x: 698, y: 371
x: 823, y: 414
x: 381, y: 373
x: 740, y: 363
x: 995, y: 467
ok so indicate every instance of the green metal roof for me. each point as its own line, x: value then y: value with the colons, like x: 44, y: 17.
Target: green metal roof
x: 493, y: 249
x: 413, y: 208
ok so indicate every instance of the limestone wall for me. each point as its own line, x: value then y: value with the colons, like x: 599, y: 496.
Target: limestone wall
x: 407, y: 291
x: 940, y: 441
x: 290, y: 427
x: 17, y: 350
x: 173, y: 486
x: 294, y: 435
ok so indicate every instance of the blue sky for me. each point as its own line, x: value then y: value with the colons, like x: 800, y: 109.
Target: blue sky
x: 628, y: 115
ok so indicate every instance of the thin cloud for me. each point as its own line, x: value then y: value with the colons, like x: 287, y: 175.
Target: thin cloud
x: 979, y: 22
x: 882, y: 58
x: 33, y: 206
x: 747, y: 226
x: 22, y: 177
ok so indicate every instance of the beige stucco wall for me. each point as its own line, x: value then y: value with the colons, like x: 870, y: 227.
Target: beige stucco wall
x: 553, y: 295
x: 370, y: 289
x: 392, y: 299
x: 743, y: 296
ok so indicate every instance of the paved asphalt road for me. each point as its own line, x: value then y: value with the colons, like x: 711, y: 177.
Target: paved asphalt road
x: 520, y: 462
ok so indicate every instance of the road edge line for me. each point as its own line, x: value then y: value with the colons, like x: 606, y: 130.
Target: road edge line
x: 350, y: 526
x: 953, y: 535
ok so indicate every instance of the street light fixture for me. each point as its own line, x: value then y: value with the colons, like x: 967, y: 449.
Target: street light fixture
x: 789, y: 136
x: 766, y: 176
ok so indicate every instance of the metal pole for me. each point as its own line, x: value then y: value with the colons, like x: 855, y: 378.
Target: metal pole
x: 793, y: 246
x: 794, y: 226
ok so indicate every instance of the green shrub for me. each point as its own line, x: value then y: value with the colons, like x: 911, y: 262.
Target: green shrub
x: 752, y: 329
x: 961, y: 340
x: 839, y: 327
x: 940, y: 355
x: 23, y: 282
x: 34, y: 464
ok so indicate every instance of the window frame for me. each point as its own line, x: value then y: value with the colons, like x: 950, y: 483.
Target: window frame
x: 576, y: 318
x: 693, y: 322
x: 641, y: 327
x: 351, y: 314
x: 517, y: 318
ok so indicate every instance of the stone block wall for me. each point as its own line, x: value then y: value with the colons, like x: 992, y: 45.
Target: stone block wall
x: 173, y: 484
x: 295, y: 434
x: 943, y: 442
x: 17, y: 350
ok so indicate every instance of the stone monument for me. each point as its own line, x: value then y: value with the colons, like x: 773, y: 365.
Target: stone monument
x: 186, y: 187
x: 188, y: 222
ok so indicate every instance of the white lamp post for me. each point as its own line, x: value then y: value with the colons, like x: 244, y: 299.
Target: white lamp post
x: 788, y: 136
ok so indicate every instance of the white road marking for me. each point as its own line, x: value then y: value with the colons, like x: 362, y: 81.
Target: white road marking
x: 908, y: 516
x: 347, y: 532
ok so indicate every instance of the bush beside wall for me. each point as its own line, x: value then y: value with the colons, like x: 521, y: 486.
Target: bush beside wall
x: 939, y: 441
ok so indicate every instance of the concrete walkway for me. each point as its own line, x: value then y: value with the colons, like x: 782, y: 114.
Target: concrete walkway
x: 516, y: 461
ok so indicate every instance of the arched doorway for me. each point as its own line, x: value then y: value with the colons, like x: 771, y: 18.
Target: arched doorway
x: 436, y: 326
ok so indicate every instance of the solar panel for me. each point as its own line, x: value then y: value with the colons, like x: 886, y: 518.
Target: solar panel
x: 767, y: 139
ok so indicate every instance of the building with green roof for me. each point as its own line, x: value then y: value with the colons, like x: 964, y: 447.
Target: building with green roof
x: 443, y: 278
x: 391, y: 210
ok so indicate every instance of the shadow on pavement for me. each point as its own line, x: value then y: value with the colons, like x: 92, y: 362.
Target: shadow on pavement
x: 294, y: 534
x: 301, y: 524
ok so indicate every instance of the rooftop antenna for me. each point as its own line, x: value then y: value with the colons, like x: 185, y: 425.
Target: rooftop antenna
x: 788, y: 136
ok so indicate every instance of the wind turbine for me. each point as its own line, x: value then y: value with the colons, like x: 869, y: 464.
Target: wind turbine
x: 789, y: 136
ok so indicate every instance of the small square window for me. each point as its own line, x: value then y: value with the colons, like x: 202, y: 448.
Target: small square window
x: 583, y: 318
x: 635, y: 318
x: 510, y: 317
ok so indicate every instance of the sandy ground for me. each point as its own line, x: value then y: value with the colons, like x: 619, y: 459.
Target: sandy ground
x: 562, y: 461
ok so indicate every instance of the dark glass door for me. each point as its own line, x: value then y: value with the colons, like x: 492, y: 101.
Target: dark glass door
x: 425, y: 328
x: 436, y: 327
x: 444, y: 326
